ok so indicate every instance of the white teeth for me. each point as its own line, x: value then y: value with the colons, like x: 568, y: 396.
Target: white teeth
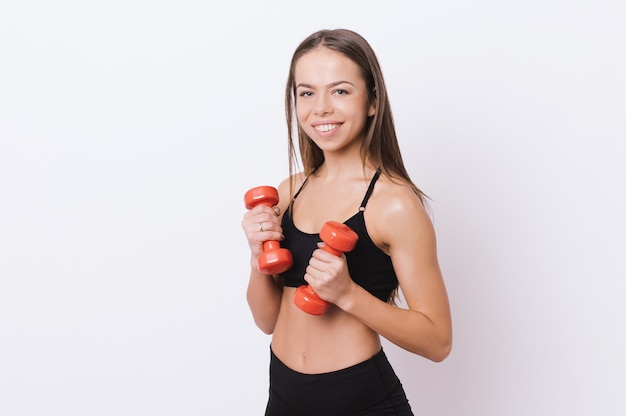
x: 325, y: 127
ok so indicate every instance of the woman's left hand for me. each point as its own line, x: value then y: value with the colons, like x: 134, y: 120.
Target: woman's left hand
x: 328, y: 275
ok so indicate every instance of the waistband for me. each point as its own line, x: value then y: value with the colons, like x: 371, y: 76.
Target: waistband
x: 338, y: 392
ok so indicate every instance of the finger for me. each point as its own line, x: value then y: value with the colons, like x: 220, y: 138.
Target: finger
x: 310, y: 279
x: 262, y: 213
x: 316, y: 264
x: 324, y: 256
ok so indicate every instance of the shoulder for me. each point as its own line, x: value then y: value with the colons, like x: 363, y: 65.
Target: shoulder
x: 393, y: 197
x: 396, y: 214
x: 288, y: 187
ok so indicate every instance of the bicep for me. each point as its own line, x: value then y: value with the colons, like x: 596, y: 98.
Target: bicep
x: 412, y: 246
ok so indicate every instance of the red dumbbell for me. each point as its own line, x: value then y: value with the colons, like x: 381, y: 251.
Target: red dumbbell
x: 274, y: 259
x: 339, y: 238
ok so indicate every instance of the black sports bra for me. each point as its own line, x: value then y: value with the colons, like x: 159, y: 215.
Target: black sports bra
x: 369, y: 266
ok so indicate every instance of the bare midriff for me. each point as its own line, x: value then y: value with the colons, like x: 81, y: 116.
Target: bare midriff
x: 314, y: 344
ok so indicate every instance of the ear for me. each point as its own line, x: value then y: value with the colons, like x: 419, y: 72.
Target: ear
x: 373, y: 104
x: 372, y: 110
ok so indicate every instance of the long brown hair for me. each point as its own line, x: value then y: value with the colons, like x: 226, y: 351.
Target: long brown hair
x: 380, y: 145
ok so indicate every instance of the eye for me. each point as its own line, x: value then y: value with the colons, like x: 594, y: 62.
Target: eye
x: 340, y: 92
x: 305, y: 94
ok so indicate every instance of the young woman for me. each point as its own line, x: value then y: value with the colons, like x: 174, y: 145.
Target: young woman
x: 352, y: 172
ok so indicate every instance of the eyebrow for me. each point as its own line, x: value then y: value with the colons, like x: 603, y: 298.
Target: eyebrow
x: 332, y: 84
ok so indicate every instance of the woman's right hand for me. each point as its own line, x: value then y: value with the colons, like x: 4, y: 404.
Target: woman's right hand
x: 260, y: 224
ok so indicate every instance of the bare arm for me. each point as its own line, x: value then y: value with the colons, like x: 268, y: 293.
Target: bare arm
x: 264, y: 291
x: 401, y: 226
x: 425, y: 328
x: 263, y: 296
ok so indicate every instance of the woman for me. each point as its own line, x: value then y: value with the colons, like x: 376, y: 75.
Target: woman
x: 333, y: 364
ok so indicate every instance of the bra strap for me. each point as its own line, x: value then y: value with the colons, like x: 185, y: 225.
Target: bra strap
x: 370, y: 189
x: 300, y: 189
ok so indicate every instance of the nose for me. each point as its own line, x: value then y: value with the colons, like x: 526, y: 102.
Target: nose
x: 323, y: 104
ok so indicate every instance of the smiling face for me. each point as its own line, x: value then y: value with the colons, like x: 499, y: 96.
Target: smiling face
x: 332, y: 104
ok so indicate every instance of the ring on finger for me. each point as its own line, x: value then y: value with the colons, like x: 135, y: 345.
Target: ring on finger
x: 260, y: 226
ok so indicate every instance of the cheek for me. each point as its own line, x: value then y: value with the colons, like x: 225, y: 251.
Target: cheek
x: 301, y: 118
x: 300, y: 110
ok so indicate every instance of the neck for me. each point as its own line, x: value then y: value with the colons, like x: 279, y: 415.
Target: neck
x: 344, y: 168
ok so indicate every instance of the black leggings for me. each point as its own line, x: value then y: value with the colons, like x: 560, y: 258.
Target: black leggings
x: 370, y: 388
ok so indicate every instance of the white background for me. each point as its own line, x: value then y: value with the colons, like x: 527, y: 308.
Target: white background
x: 129, y: 131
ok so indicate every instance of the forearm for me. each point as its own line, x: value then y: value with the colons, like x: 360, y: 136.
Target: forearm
x: 263, y: 296
x: 411, y: 330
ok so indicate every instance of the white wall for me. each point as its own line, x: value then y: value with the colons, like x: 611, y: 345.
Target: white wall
x: 129, y: 131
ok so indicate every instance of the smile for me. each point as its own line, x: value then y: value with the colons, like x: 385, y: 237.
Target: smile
x: 326, y: 127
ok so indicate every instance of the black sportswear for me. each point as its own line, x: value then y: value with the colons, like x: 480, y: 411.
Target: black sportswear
x: 369, y: 266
